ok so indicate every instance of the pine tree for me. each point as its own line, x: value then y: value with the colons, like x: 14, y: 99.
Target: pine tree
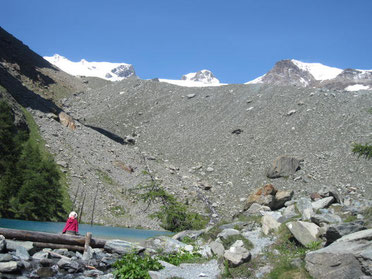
x: 40, y: 197
x: 10, y: 149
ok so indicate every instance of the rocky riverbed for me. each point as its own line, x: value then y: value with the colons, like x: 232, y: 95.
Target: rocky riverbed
x: 335, y: 232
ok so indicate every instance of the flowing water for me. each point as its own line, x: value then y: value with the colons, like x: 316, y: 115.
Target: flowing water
x: 133, y: 235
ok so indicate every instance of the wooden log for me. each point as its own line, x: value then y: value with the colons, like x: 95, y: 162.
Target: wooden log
x: 58, y: 246
x: 88, y: 238
x: 50, y: 238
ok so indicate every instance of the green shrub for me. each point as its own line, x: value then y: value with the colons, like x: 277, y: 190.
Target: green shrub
x: 363, y: 150
x: 134, y: 266
x: 181, y: 257
x: 174, y: 215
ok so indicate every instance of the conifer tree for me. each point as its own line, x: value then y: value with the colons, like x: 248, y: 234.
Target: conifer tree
x: 40, y: 197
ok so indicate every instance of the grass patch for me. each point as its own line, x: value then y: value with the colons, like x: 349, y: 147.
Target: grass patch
x: 369, y: 110
x: 104, y: 177
x: 181, y: 257
x: 362, y: 150
x: 212, y: 233
x: 350, y: 218
x: 230, y: 240
x: 117, y: 211
x: 289, y: 250
x: 367, y: 213
x: 249, y: 219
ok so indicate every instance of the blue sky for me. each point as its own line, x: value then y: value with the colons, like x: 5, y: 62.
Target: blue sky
x: 237, y: 40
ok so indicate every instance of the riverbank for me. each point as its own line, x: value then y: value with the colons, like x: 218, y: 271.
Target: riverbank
x: 103, y: 232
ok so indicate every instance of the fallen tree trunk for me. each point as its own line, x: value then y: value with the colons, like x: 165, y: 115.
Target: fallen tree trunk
x: 50, y: 238
x: 58, y: 246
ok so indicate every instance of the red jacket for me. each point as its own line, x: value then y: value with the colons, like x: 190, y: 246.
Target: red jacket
x: 71, y: 225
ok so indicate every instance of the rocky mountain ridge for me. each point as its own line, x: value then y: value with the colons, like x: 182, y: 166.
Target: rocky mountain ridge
x: 297, y: 73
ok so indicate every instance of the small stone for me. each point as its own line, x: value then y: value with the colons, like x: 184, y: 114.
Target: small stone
x: 189, y: 96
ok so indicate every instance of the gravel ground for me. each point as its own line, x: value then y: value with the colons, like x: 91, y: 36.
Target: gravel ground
x: 191, y: 129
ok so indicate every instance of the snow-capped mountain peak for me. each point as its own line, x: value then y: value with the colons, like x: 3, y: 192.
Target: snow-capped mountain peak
x: 297, y: 73
x: 204, y: 76
x: 105, y: 70
x: 201, y: 78
x: 317, y: 70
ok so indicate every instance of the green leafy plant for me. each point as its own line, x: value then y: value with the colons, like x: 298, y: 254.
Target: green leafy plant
x: 134, y: 266
x: 363, y: 150
x: 174, y: 215
x: 180, y: 257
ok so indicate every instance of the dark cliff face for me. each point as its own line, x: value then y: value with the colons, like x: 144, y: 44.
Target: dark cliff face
x: 285, y: 72
x: 21, y: 60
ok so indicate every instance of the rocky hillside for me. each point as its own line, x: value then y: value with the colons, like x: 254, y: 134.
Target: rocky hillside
x: 208, y: 146
x: 227, y: 137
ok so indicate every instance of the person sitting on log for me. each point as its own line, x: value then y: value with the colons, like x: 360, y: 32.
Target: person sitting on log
x: 72, y: 226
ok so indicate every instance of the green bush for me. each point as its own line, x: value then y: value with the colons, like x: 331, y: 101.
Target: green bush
x: 174, y: 215
x: 133, y: 266
x: 363, y: 150
x: 180, y: 257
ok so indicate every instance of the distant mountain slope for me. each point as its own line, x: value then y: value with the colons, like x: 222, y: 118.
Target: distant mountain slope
x: 105, y: 70
x: 294, y: 72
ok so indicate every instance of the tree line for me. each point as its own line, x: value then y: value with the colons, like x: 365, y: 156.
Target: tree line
x: 30, y: 186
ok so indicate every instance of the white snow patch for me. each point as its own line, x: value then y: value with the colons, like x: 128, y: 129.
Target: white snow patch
x: 317, y: 70
x: 190, y: 83
x: 357, y: 87
x: 85, y: 68
x: 256, y: 80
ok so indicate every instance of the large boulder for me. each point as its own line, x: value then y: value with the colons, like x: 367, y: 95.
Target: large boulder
x: 348, y: 258
x: 263, y: 196
x: 284, y: 166
x: 8, y: 267
x: 269, y: 224
x: 2, y: 243
x: 121, y: 247
x: 13, y: 245
x: 305, y: 208
x: 335, y: 232
x: 66, y: 120
x: 165, y: 244
x: 322, y: 203
x: 304, y: 232
x: 236, y: 256
x: 268, y: 196
x: 280, y: 198
x: 217, y: 248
